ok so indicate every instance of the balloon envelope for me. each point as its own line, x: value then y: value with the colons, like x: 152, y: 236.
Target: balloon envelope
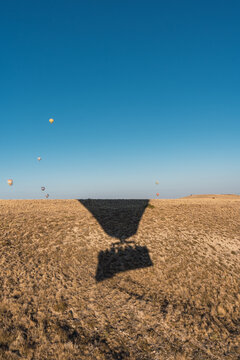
x: 157, y: 182
x: 51, y: 121
x: 42, y: 188
x: 47, y: 195
x: 157, y: 194
x: 39, y: 158
x: 10, y: 182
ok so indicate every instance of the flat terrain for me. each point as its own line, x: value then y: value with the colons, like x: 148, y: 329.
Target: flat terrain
x: 213, y: 196
x: 72, y: 289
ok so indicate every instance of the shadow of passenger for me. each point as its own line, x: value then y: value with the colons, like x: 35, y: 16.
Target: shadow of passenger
x: 113, y: 261
x: 119, y: 219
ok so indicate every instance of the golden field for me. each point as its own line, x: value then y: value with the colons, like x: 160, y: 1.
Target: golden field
x: 72, y: 288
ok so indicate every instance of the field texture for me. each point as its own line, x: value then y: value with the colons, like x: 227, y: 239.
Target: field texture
x: 120, y: 279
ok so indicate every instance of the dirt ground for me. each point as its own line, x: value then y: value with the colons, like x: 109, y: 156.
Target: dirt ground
x: 72, y: 288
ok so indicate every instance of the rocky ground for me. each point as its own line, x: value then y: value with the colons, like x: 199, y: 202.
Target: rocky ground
x: 146, y: 280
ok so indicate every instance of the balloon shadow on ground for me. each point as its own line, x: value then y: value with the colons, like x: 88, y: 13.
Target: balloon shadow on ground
x: 119, y: 219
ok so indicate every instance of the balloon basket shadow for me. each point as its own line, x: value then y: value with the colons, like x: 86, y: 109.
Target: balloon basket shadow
x: 121, y: 258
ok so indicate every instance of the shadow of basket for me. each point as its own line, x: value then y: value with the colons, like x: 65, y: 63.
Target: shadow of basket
x: 123, y: 258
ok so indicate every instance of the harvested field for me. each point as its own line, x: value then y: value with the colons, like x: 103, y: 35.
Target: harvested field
x: 72, y: 288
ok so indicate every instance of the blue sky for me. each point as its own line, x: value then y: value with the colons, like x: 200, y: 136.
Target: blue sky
x: 139, y: 90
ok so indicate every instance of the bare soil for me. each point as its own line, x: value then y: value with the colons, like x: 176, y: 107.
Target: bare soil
x: 102, y: 279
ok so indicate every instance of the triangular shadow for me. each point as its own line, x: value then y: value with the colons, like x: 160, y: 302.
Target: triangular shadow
x: 119, y: 219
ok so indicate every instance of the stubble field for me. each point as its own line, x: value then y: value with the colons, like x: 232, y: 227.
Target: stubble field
x: 72, y: 288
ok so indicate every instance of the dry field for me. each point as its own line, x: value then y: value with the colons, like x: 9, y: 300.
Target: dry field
x: 71, y: 288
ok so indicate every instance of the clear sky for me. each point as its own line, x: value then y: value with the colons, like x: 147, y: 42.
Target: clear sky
x: 139, y: 90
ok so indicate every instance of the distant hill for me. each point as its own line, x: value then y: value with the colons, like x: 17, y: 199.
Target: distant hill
x: 210, y: 196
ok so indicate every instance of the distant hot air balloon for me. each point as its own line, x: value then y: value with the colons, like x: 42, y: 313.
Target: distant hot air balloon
x: 42, y: 188
x: 51, y: 121
x: 157, y: 194
x: 10, y: 182
x: 157, y: 182
x: 39, y: 158
x: 47, y: 195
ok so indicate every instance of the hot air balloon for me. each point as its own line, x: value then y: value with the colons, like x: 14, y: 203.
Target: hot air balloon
x: 10, y: 182
x: 157, y: 194
x: 51, y: 121
x: 42, y: 188
x: 39, y: 158
x: 157, y: 182
x: 47, y: 195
